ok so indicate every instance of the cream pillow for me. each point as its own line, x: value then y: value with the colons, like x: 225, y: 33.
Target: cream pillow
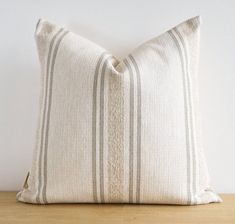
x: 118, y: 131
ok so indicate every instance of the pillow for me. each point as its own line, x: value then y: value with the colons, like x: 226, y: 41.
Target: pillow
x: 118, y: 131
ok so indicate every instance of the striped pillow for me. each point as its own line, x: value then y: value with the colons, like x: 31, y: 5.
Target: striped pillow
x: 118, y: 131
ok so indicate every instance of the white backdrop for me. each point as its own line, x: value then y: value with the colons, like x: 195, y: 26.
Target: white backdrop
x: 119, y: 26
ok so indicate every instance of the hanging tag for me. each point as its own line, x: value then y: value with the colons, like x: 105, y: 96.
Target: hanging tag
x: 25, y: 186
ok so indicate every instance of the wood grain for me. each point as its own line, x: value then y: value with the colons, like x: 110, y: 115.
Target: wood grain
x: 15, y: 212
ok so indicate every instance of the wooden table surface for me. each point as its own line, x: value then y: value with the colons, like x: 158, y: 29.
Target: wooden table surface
x: 15, y: 212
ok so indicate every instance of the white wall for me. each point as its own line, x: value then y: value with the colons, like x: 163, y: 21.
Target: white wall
x: 119, y: 26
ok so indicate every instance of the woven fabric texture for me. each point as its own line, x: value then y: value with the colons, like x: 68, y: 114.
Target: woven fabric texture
x: 118, y: 131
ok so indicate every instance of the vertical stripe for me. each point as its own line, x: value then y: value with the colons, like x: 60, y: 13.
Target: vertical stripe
x: 94, y: 115
x: 115, y: 136
x: 138, y: 111
x: 49, y: 113
x: 102, y: 79
x: 188, y: 154
x: 190, y: 107
x: 131, y: 131
x: 44, y: 112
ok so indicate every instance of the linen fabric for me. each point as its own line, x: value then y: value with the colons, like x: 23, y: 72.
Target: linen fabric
x: 118, y: 131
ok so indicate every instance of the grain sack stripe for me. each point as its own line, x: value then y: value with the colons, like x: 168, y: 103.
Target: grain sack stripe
x: 44, y: 111
x: 94, y: 120
x: 138, y: 111
x: 48, y: 114
x: 188, y: 154
x: 102, y: 79
x: 131, y: 131
x: 190, y: 108
x: 115, y: 136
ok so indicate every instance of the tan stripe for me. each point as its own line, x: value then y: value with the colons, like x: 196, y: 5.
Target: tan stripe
x: 115, y: 137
